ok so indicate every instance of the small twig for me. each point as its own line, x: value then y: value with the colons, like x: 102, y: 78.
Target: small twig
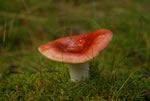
x: 4, y: 32
x: 124, y: 83
x: 117, y: 92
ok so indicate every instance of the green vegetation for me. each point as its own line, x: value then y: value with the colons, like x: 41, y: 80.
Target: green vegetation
x: 120, y: 73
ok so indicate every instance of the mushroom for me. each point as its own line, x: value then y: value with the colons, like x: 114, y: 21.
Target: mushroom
x: 77, y: 51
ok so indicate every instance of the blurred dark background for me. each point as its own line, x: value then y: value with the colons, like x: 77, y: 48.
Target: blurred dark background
x: 26, y: 24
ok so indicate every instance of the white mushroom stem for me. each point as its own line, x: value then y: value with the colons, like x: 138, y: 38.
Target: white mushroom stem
x: 79, y: 71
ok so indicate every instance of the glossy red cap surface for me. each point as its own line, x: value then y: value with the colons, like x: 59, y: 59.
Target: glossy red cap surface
x: 77, y: 49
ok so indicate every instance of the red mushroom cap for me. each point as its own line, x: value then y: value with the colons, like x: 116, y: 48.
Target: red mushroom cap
x: 77, y: 49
